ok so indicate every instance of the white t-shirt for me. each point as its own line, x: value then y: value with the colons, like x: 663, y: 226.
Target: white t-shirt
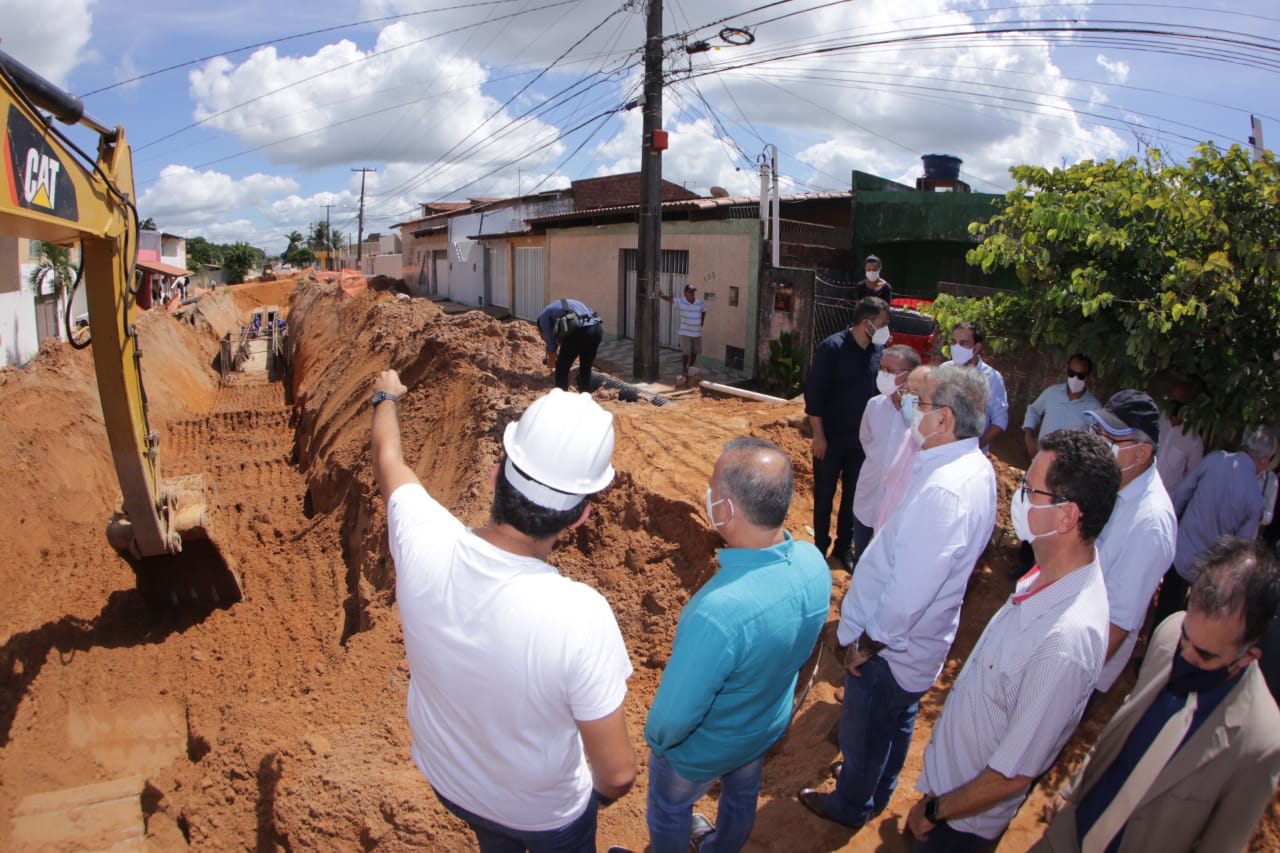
x: 505, y: 656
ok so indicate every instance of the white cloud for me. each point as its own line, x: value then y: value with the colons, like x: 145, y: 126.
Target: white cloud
x: 186, y: 196
x: 404, y: 101
x: 48, y: 36
x: 1117, y: 71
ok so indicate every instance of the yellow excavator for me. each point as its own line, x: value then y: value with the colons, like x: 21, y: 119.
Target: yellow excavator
x: 52, y: 191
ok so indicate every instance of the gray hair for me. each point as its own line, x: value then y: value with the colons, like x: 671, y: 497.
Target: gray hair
x: 964, y: 391
x: 758, y: 477
x: 1260, y: 443
x: 901, y: 351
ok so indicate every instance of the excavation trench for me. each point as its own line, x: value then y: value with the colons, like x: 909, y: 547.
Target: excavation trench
x: 279, y: 724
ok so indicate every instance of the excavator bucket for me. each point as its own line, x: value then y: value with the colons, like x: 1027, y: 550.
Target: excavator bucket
x: 198, y: 577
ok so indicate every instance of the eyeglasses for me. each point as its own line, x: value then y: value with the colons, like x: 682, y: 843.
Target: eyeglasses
x: 898, y: 372
x: 920, y: 403
x: 1028, y: 489
x: 1077, y: 374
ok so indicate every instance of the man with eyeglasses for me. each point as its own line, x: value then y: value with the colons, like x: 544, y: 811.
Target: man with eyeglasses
x: 1191, y: 759
x: 967, y: 345
x: 882, y: 430
x: 902, y: 610
x: 1136, y: 546
x: 1024, y: 686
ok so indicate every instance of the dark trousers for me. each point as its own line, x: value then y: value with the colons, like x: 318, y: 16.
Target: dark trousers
x: 944, y: 839
x: 1173, y: 595
x: 577, y: 836
x: 581, y: 345
x: 840, y: 465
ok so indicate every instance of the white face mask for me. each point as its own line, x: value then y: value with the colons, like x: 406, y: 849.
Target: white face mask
x: 886, y: 383
x: 1117, y: 449
x: 880, y: 336
x: 873, y: 275
x: 1019, y: 512
x: 920, y: 438
x: 1075, y: 384
x: 711, y: 510
x: 961, y: 354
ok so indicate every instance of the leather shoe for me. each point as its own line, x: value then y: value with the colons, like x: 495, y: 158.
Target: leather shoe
x: 698, y: 830
x: 846, y: 560
x: 837, y: 767
x: 815, y: 801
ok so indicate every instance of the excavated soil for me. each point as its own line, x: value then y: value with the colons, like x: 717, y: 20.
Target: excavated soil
x: 278, y: 724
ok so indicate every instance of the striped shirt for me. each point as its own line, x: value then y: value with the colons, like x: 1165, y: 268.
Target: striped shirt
x: 690, y: 317
x: 1022, y: 691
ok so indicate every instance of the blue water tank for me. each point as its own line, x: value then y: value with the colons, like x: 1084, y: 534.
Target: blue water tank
x: 942, y: 166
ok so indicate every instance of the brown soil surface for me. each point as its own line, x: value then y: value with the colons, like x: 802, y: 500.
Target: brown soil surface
x: 279, y: 723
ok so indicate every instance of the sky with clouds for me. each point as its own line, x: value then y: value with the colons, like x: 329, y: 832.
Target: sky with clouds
x: 272, y: 105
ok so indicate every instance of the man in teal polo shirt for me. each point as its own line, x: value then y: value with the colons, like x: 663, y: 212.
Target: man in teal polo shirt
x: 726, y: 694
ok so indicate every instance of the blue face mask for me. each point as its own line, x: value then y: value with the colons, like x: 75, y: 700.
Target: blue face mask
x: 909, y: 407
x: 1185, y: 677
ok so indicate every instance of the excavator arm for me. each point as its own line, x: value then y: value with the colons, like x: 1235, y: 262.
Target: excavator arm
x: 55, y: 193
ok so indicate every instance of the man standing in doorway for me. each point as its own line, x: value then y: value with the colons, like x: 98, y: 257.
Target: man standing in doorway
x: 841, y: 380
x: 692, y: 315
x: 967, y: 344
x: 517, y: 674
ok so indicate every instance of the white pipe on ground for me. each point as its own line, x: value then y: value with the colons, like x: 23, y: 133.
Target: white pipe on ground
x: 740, y: 392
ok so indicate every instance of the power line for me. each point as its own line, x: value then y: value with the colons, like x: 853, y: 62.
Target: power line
x: 365, y: 58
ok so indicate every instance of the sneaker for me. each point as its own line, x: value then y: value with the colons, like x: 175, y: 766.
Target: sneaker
x: 699, y: 830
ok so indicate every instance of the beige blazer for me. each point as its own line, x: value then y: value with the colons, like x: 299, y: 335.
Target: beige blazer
x: 1217, y: 785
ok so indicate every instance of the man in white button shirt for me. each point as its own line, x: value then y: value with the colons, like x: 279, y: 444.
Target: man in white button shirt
x: 1181, y: 447
x: 881, y: 432
x: 1136, y: 546
x: 903, y: 608
x: 1024, y: 687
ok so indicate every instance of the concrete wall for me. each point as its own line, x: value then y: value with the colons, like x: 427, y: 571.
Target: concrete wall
x: 19, y: 341
x: 586, y: 263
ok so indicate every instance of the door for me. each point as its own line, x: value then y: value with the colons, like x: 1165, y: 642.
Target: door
x: 528, y: 283
x: 672, y: 276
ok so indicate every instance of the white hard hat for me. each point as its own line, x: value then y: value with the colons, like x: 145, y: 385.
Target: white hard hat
x: 560, y: 450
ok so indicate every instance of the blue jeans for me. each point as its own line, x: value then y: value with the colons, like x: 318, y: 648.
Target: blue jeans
x: 876, y: 722
x: 944, y: 839
x: 577, y: 836
x: 671, y: 799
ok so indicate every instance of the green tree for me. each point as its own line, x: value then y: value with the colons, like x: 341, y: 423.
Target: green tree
x: 54, y: 269
x: 201, y: 252
x: 322, y: 238
x: 296, y: 253
x: 147, y: 224
x: 1154, y: 269
x: 237, y: 259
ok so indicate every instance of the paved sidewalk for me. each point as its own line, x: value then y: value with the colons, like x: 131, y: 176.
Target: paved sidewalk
x: 615, y: 358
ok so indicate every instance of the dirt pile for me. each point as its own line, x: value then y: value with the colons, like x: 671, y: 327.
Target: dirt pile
x: 279, y: 724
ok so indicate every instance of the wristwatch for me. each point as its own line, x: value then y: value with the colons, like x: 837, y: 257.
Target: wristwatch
x: 379, y: 396
x: 931, y: 811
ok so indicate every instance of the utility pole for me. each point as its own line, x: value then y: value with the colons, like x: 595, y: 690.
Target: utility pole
x: 360, y: 237
x: 649, y: 244
x: 328, y: 240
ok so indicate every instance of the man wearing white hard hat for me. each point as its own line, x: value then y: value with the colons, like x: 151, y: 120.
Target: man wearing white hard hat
x: 517, y: 674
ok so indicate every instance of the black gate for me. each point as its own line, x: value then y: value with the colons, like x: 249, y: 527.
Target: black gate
x: 833, y: 304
